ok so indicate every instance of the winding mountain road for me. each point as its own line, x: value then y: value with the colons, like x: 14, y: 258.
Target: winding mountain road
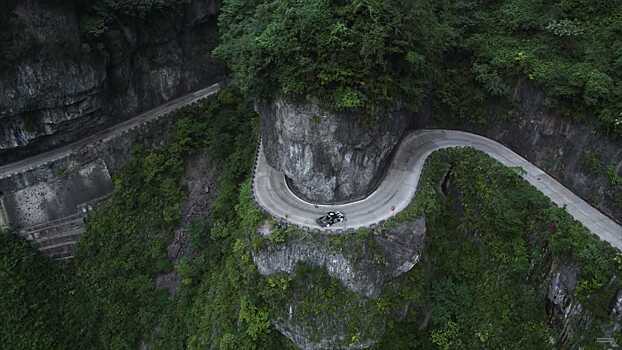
x: 399, y: 186
x: 395, y: 192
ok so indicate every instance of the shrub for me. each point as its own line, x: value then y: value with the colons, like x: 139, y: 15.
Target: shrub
x: 351, y: 55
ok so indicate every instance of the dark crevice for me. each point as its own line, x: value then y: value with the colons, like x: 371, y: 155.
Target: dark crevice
x: 446, y: 180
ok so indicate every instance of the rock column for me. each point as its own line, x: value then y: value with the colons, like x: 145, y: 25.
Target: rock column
x: 329, y: 157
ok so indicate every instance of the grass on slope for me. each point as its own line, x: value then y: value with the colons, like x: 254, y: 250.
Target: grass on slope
x: 106, y: 297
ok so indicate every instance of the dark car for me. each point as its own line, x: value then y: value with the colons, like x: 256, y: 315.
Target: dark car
x: 331, y: 218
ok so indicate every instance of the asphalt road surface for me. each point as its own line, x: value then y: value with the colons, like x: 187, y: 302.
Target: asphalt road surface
x: 398, y: 187
x: 395, y: 192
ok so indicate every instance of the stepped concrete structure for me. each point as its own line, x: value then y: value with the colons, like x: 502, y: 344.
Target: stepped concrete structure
x: 46, y: 198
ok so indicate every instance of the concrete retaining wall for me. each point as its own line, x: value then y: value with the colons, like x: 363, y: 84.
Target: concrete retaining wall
x: 53, y: 200
x: 46, y: 197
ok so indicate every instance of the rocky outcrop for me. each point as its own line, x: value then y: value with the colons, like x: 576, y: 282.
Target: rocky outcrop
x: 300, y: 336
x: 56, y: 86
x: 565, y: 313
x: 363, y: 262
x: 569, y: 317
x: 200, y: 183
x: 328, y: 157
x: 363, y: 265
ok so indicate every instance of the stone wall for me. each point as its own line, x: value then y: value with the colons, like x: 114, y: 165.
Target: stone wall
x: 52, y: 200
x: 51, y: 193
x: 4, y: 218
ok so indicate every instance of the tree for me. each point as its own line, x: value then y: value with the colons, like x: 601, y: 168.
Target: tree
x: 351, y: 55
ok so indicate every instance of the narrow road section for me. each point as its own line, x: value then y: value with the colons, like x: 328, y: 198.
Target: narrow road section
x: 105, y: 135
x: 399, y: 186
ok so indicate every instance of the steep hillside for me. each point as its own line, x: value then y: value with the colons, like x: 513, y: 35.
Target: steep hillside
x: 69, y: 68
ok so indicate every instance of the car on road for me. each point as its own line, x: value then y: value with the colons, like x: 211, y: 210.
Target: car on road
x: 331, y: 218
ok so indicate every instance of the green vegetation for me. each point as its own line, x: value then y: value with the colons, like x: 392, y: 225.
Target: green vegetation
x: 571, y: 48
x: 592, y: 163
x: 348, y: 54
x: 466, y: 55
x: 106, y: 297
x: 493, y: 242
x: 615, y: 183
x: 323, y: 307
x: 568, y: 48
x: 223, y: 301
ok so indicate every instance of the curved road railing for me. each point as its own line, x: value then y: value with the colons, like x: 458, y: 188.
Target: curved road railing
x: 399, y: 186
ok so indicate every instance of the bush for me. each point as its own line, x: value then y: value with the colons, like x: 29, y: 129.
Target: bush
x: 359, y: 55
x: 491, y: 244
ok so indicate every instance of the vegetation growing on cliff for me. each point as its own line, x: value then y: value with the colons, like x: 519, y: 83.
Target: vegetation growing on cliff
x: 105, y: 298
x: 463, y: 54
x: 349, y: 54
x: 32, y: 292
x: 494, y: 242
x: 572, y: 49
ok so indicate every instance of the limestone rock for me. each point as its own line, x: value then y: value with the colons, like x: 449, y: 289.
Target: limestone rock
x: 388, y: 255
x: 299, y: 336
x: 59, y: 87
x: 328, y: 157
x: 566, y: 314
x: 361, y: 266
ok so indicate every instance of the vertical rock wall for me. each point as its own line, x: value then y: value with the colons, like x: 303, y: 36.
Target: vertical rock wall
x: 328, y: 157
x: 571, y: 150
x: 57, y: 87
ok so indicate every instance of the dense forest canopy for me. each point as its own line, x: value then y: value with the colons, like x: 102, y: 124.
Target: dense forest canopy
x: 363, y: 54
x: 367, y: 54
x: 350, y: 54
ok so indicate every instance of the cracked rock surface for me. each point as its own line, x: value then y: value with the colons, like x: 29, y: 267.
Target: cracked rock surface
x: 328, y: 157
x: 57, y: 86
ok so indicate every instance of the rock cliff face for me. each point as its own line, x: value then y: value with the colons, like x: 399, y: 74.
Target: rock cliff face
x: 362, y: 263
x: 328, y: 157
x: 568, y: 316
x: 300, y: 336
x: 572, y: 151
x: 58, y: 87
x: 384, y: 257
